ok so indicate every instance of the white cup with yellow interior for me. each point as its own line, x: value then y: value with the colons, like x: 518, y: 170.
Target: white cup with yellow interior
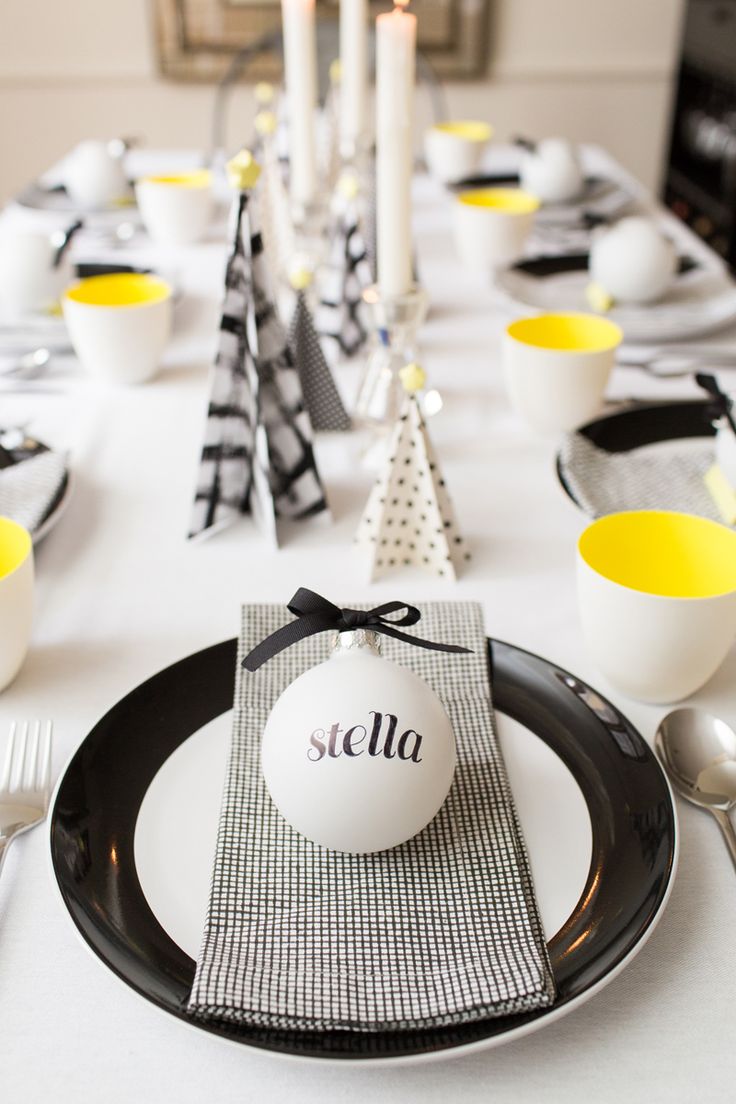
x: 119, y: 324
x: 556, y: 367
x: 455, y: 150
x: 657, y: 600
x: 492, y: 226
x: 16, y: 598
x: 176, y: 209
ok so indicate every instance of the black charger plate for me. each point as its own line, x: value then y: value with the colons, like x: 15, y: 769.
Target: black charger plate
x: 97, y: 802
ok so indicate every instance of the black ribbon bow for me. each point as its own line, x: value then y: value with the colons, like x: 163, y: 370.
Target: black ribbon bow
x: 314, y: 614
x: 722, y: 401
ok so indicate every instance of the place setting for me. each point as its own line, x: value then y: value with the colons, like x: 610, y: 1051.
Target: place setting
x: 681, y: 299
x: 362, y: 711
x: 550, y: 239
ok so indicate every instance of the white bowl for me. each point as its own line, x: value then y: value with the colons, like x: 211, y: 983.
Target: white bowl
x: 455, y: 150
x: 556, y: 368
x: 93, y: 176
x: 16, y: 597
x: 492, y: 226
x: 552, y: 171
x: 176, y: 209
x: 119, y: 324
x: 657, y: 600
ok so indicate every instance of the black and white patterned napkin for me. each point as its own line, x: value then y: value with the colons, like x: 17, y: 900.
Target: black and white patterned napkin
x: 652, y: 478
x: 443, y: 929
x: 29, y: 488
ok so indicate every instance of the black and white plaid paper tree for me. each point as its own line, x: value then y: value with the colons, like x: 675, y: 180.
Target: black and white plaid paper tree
x: 257, y: 456
x: 321, y: 397
x: 409, y: 519
x: 340, y: 316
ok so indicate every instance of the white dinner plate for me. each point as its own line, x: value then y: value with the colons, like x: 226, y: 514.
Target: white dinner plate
x: 134, y: 824
x: 701, y: 301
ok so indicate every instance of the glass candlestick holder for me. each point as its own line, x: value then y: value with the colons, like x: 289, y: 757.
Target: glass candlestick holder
x: 396, y: 319
x: 310, y: 222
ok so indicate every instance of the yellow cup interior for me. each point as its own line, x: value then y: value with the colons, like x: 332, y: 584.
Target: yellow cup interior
x: 15, y: 546
x: 570, y: 333
x: 511, y: 201
x: 119, y: 289
x: 662, y: 552
x: 197, y: 178
x: 468, y: 129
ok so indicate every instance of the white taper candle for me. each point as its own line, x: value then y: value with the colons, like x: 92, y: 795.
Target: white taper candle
x: 396, y: 35
x: 300, y: 70
x: 353, y: 74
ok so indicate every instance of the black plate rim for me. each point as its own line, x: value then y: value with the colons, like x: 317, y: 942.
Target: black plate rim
x: 527, y: 1024
x: 643, y: 424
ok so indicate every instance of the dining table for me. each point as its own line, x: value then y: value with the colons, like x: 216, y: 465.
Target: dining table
x: 121, y: 593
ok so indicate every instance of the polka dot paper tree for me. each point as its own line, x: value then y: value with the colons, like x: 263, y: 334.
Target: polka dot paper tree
x: 321, y: 396
x: 409, y: 519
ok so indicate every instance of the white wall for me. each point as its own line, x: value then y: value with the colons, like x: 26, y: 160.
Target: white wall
x: 597, y: 70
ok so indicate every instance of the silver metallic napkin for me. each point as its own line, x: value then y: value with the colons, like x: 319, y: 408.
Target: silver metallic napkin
x: 644, y: 479
x: 27, y: 489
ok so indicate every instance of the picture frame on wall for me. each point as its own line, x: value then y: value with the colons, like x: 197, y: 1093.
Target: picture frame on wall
x: 197, y: 39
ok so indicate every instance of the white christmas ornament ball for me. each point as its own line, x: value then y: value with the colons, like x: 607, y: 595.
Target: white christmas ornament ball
x: 552, y: 171
x: 358, y: 753
x: 633, y: 261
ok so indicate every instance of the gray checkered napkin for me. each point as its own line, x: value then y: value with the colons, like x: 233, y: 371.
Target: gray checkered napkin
x: 441, y: 930
x: 652, y: 478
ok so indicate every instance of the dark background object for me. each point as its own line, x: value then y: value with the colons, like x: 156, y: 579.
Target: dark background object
x: 700, y: 184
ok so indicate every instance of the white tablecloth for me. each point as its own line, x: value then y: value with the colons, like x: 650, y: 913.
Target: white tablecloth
x: 122, y: 594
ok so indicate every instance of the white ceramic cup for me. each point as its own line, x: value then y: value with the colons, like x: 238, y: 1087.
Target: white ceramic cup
x: 455, y: 150
x: 29, y: 282
x: 556, y: 368
x: 176, y: 209
x: 552, y: 171
x: 492, y: 226
x: 119, y: 324
x: 657, y: 600
x: 16, y: 598
x: 94, y: 175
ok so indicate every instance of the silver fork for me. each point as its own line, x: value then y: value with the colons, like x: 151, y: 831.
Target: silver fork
x: 25, y: 783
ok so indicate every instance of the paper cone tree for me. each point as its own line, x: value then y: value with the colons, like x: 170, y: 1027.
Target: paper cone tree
x: 257, y: 456
x: 340, y: 313
x: 321, y: 397
x: 409, y: 520
x: 276, y: 223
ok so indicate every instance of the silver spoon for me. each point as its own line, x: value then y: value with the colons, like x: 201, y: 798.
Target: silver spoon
x: 29, y: 365
x: 698, y: 751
